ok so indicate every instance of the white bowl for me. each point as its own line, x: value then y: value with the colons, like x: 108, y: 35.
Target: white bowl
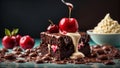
x: 100, y: 39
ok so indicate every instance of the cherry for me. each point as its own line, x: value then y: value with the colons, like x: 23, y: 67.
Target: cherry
x: 52, y: 28
x: 68, y: 24
x: 18, y: 37
x: 9, y: 42
x: 26, y: 42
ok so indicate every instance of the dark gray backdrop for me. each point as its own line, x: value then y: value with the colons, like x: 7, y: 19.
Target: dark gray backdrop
x: 31, y: 16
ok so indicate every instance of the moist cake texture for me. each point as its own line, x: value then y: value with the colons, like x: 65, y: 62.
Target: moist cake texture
x: 61, y: 46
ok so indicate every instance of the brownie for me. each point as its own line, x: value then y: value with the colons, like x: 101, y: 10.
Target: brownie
x: 61, y: 46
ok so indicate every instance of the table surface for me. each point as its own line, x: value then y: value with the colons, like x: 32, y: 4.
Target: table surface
x: 53, y: 65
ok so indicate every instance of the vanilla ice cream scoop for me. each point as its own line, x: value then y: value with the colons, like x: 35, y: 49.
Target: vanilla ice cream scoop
x: 107, y: 25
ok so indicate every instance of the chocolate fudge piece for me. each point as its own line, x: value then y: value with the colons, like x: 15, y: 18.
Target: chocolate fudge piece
x: 61, y: 46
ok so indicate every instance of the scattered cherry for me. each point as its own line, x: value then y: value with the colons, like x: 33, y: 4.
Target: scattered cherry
x: 18, y: 37
x: 9, y: 42
x: 52, y: 28
x: 26, y: 42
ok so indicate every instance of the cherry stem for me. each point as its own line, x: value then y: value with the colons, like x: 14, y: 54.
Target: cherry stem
x: 69, y: 11
x: 51, y: 22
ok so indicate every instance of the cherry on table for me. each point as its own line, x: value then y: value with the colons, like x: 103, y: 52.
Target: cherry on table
x: 8, y: 42
x: 18, y: 37
x: 27, y: 42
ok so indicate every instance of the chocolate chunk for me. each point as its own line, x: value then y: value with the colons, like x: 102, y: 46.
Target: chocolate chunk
x: 79, y: 61
x: 20, y: 61
x: 32, y: 50
x: 38, y: 51
x: 38, y: 47
x: 4, y: 49
x: 106, y: 48
x: 103, y: 57
x: 60, y: 62
x: 109, y: 63
x: 16, y: 52
x: 26, y: 54
x: 21, y: 55
x: 9, y: 56
x: 93, y: 54
x: 116, y: 53
x: 27, y: 51
x: 39, y: 61
x: 2, y: 53
x: 96, y: 46
x: 39, y: 57
x: 17, y: 48
x: 33, y: 54
x: 70, y: 61
x: 46, y: 57
x: 28, y: 59
x: 99, y: 51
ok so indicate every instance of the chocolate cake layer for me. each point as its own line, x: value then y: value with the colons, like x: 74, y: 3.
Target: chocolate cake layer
x: 61, y: 46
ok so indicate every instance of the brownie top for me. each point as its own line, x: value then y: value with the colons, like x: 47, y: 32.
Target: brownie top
x: 58, y: 35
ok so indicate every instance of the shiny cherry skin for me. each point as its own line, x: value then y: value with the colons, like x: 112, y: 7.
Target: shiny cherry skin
x: 18, y: 37
x: 9, y: 42
x: 52, y: 28
x: 68, y: 25
x: 26, y: 42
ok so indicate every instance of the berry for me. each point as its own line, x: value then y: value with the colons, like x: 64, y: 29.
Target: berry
x: 18, y: 37
x: 68, y: 25
x: 9, y: 42
x: 26, y: 42
x: 52, y: 28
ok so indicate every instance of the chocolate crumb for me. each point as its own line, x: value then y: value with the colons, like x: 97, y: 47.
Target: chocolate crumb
x: 9, y: 56
x: 38, y: 61
x: 60, y: 62
x: 20, y: 61
x: 17, y: 48
x: 109, y: 63
x: 33, y: 54
x: 103, y: 57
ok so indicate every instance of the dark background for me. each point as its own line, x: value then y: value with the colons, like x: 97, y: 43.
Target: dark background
x: 31, y: 16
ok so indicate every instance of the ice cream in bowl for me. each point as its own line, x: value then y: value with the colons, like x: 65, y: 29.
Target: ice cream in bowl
x: 106, y: 32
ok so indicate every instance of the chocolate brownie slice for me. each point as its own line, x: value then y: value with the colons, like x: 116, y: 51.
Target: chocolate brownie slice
x: 61, y: 46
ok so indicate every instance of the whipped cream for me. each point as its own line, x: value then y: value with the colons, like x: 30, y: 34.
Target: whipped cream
x: 75, y: 38
x: 107, y: 25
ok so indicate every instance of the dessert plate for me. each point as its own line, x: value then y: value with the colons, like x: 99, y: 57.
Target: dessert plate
x: 54, y: 65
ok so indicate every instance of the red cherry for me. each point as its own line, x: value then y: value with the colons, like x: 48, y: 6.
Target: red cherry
x: 18, y: 37
x: 26, y: 42
x: 68, y: 25
x: 52, y: 28
x: 9, y: 42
